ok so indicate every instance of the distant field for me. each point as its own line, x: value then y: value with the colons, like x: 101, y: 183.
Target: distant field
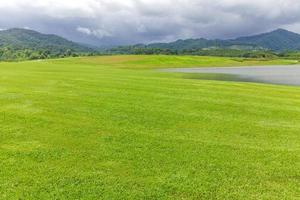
x: 113, y: 128
x: 150, y: 62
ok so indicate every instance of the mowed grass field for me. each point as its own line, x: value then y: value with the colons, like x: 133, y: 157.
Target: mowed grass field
x: 114, y: 128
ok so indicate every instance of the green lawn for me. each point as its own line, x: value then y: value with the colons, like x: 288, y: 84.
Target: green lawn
x: 114, y: 128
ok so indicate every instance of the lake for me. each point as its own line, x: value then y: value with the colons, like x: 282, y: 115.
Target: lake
x: 286, y: 75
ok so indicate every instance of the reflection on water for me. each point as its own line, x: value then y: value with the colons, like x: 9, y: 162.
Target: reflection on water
x: 285, y: 75
x: 219, y: 77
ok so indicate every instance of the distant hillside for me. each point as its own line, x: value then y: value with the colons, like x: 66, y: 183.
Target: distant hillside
x: 24, y: 44
x: 278, y: 40
x: 202, y: 44
x: 28, y: 39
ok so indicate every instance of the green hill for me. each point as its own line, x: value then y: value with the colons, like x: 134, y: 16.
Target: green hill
x: 21, y: 44
x: 278, y: 40
x: 203, y: 43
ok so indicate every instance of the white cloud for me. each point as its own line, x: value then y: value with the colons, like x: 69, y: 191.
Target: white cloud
x: 131, y: 21
x: 86, y: 31
x: 97, y: 33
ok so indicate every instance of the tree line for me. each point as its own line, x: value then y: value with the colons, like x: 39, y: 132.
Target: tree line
x: 18, y: 54
x: 199, y: 52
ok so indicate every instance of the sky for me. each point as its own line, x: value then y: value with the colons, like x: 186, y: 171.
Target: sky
x: 122, y: 22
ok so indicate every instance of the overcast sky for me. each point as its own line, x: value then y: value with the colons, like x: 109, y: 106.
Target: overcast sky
x: 103, y: 22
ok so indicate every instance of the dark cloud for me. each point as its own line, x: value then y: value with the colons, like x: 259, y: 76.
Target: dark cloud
x: 114, y: 22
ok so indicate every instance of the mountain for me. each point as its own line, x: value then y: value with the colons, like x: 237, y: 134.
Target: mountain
x: 190, y: 44
x: 203, y: 44
x: 278, y: 40
x: 17, y: 38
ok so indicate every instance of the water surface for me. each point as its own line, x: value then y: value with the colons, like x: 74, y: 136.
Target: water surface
x: 286, y: 75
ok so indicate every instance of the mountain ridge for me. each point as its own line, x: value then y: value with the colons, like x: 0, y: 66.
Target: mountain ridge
x: 20, y: 44
x: 19, y: 38
x: 277, y: 40
x: 25, y: 44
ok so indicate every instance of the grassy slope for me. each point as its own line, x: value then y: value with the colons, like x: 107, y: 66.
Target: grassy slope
x: 152, y: 62
x: 88, y: 129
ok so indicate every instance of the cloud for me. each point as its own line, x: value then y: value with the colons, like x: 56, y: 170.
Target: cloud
x: 113, y: 22
x: 99, y: 33
x: 84, y: 30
